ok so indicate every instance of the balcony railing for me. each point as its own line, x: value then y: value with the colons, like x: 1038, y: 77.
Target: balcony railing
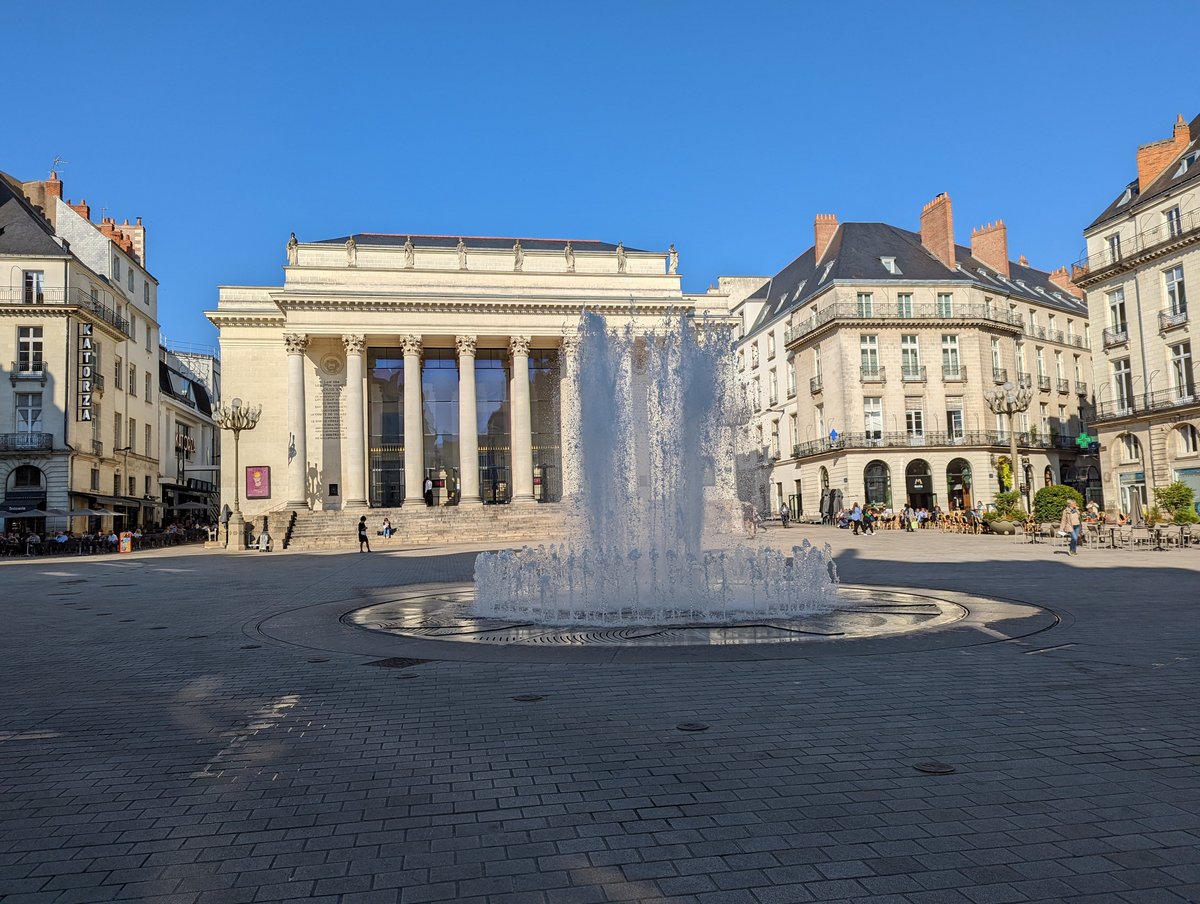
x: 1169, y: 320
x: 814, y: 385
x: 848, y: 310
x: 98, y: 448
x: 913, y: 374
x: 74, y: 297
x: 987, y: 438
x: 1113, y: 336
x: 1162, y: 400
x: 1080, y: 388
x: 1000, y: 375
x: 873, y: 374
x: 26, y: 442
x: 954, y: 373
x: 1145, y: 243
x: 1024, y: 381
x: 1043, y: 383
x: 1064, y: 386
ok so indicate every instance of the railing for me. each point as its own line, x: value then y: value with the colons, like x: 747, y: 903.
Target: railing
x: 873, y: 374
x: 98, y: 448
x: 1113, y: 336
x: 98, y: 382
x: 1000, y: 375
x: 1064, y: 386
x: 848, y: 310
x: 26, y: 442
x: 1080, y: 388
x: 1133, y: 246
x: 1024, y: 381
x: 1168, y: 320
x: 75, y: 297
x: 1162, y: 400
x: 993, y: 438
x: 954, y: 373
x: 1043, y: 383
x: 814, y: 385
x: 34, y: 370
x: 912, y: 374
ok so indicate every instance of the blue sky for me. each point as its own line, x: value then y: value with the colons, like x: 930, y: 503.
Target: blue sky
x: 720, y: 127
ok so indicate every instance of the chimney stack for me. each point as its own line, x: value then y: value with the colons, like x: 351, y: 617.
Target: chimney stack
x: 1059, y: 278
x: 53, y: 186
x: 937, y: 229
x: 824, y: 227
x: 82, y: 209
x: 989, y: 245
x: 1154, y: 158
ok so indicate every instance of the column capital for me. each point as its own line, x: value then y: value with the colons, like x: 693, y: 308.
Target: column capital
x: 355, y: 343
x: 295, y: 343
x: 465, y: 345
x: 570, y: 344
x: 519, y: 345
x: 411, y: 345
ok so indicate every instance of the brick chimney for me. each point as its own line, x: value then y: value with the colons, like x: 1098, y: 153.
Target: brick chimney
x: 53, y: 186
x: 1059, y: 278
x: 989, y: 245
x: 1154, y: 158
x: 937, y: 229
x: 82, y: 209
x: 824, y: 228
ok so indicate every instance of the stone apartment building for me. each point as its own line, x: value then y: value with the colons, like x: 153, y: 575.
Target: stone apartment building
x: 78, y: 422
x: 189, y: 441
x: 1143, y: 254
x: 867, y: 358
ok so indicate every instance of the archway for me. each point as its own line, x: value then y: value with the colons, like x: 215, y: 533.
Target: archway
x: 1048, y: 476
x: 25, y: 497
x: 877, y: 481
x: 958, y: 483
x: 918, y: 479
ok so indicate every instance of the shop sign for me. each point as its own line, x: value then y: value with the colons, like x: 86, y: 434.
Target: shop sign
x: 87, y: 363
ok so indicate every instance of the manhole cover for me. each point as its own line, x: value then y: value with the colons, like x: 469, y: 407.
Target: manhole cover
x: 933, y: 767
x: 318, y: 659
x: 397, y: 662
x: 252, y: 646
x: 692, y: 726
x: 529, y: 698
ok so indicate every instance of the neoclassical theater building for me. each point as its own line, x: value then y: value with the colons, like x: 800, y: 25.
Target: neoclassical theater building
x: 386, y: 360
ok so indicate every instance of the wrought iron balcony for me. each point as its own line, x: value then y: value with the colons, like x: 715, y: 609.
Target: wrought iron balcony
x: 873, y: 374
x: 1169, y: 320
x: 1043, y: 383
x: 913, y: 374
x: 1000, y: 375
x: 850, y: 311
x: 97, y: 448
x: 986, y: 438
x: 26, y: 442
x: 954, y: 373
x: 1024, y: 381
x: 1162, y: 400
x: 1080, y: 388
x: 29, y: 370
x: 73, y: 297
x: 814, y: 385
x: 1132, y: 250
x: 1064, y: 386
x: 1114, y: 336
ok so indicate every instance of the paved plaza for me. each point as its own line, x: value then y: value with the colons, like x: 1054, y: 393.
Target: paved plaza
x: 198, y: 727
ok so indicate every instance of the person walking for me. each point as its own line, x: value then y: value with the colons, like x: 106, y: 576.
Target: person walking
x: 1070, y: 526
x: 363, y: 539
x: 855, y: 518
x: 784, y: 513
x: 428, y: 491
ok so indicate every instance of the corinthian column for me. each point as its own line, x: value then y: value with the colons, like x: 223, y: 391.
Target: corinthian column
x: 468, y: 429
x: 414, y: 428
x: 522, y: 440
x: 568, y: 420
x: 297, y: 472
x: 356, y: 446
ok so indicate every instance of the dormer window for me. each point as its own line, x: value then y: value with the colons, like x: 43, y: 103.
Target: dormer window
x: 825, y: 272
x: 1186, y: 163
x: 889, y: 264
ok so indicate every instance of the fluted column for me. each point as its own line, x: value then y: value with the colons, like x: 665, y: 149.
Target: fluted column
x: 568, y: 420
x: 468, y: 428
x: 522, y: 440
x: 297, y: 472
x: 356, y: 427
x: 414, y: 427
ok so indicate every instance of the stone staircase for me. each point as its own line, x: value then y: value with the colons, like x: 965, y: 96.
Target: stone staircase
x: 420, y: 525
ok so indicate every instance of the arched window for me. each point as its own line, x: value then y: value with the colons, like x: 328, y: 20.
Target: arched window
x: 877, y: 481
x: 1189, y: 439
x: 958, y: 484
x: 1048, y: 476
x: 824, y: 478
x: 918, y: 477
x: 1131, y: 449
x: 26, y: 477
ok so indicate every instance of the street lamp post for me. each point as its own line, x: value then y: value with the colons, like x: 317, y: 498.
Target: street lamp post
x: 1010, y: 400
x: 237, y: 417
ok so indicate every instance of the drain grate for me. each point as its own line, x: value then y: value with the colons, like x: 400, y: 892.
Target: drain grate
x: 933, y: 767
x: 692, y: 726
x: 397, y: 662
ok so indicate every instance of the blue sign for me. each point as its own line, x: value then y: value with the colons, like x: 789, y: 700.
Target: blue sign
x: 833, y: 435
x: 1093, y: 448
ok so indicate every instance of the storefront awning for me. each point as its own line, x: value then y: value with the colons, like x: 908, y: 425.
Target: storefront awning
x: 19, y: 501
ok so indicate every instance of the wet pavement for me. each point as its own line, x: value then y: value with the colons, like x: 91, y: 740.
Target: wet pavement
x: 198, y: 727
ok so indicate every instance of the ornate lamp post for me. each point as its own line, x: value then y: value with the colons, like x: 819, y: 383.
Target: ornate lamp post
x: 237, y: 417
x: 1010, y: 400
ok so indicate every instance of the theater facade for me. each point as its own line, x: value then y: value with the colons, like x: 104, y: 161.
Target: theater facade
x: 386, y: 363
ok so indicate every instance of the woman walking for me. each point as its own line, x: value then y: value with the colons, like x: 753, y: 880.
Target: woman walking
x: 363, y: 540
x: 1070, y: 526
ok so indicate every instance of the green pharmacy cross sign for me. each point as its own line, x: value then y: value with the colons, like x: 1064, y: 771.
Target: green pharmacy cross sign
x: 1087, y: 443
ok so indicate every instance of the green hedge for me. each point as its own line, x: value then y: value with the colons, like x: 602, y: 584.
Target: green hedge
x: 1049, y: 502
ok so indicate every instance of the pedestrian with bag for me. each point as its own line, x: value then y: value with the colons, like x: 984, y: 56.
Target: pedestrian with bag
x: 363, y: 539
x: 1070, y: 525
x: 784, y: 514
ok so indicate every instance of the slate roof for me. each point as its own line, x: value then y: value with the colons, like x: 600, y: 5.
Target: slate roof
x: 1171, y: 178
x: 183, y: 388
x: 479, y: 242
x: 855, y: 253
x: 23, y: 230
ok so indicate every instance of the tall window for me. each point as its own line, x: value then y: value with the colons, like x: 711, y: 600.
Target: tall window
x: 118, y: 438
x: 754, y: 354
x: 791, y: 376
x: 868, y: 350
x: 1173, y: 221
x: 1116, y: 311
x: 995, y: 354
x: 1189, y: 440
x: 29, y: 349
x: 904, y: 305
x: 133, y: 380
x: 775, y: 439
x: 1114, y: 248
x: 945, y: 304
x: 910, y: 355
x: 1041, y: 362
x: 129, y: 275
x: 148, y: 446
x: 1058, y: 367
x: 954, y: 417
x: 1181, y: 370
x: 817, y: 362
x: 950, y: 354
x: 146, y: 293
x: 147, y: 395
x: 821, y: 421
x: 1078, y: 371
x: 873, y: 418
x: 1021, y: 357
x: 772, y: 387
x: 1131, y: 449
x: 1044, y: 419
x: 794, y: 424
x: 770, y: 345
x: 118, y: 374
x: 132, y: 435
x: 756, y: 394
x: 29, y: 412
x: 149, y: 335
x: 1122, y: 384
x: 35, y: 292
x: 1176, y: 297
x: 914, y: 421
x: 866, y: 304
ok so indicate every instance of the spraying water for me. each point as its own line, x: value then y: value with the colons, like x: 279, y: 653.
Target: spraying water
x: 651, y: 538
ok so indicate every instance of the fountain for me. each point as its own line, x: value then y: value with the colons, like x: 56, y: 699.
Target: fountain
x: 656, y: 441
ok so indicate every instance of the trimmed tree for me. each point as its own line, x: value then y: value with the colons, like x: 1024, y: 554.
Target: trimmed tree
x: 1178, y: 500
x: 1049, y: 502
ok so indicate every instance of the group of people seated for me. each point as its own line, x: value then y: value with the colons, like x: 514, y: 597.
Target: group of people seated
x: 31, y: 543
x: 869, y: 518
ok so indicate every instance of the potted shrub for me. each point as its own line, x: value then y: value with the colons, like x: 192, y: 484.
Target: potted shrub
x: 1007, y: 513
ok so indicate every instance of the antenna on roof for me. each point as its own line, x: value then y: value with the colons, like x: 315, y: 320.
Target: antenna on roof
x: 58, y: 163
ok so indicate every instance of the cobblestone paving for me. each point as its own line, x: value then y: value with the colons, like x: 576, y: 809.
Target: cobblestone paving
x: 153, y: 747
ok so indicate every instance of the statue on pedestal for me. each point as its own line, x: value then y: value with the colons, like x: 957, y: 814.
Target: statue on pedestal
x: 620, y: 257
x: 462, y: 255
x: 673, y: 257
x: 351, y: 252
x: 292, y: 245
x: 518, y: 257
x: 409, y: 254
x: 569, y: 252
